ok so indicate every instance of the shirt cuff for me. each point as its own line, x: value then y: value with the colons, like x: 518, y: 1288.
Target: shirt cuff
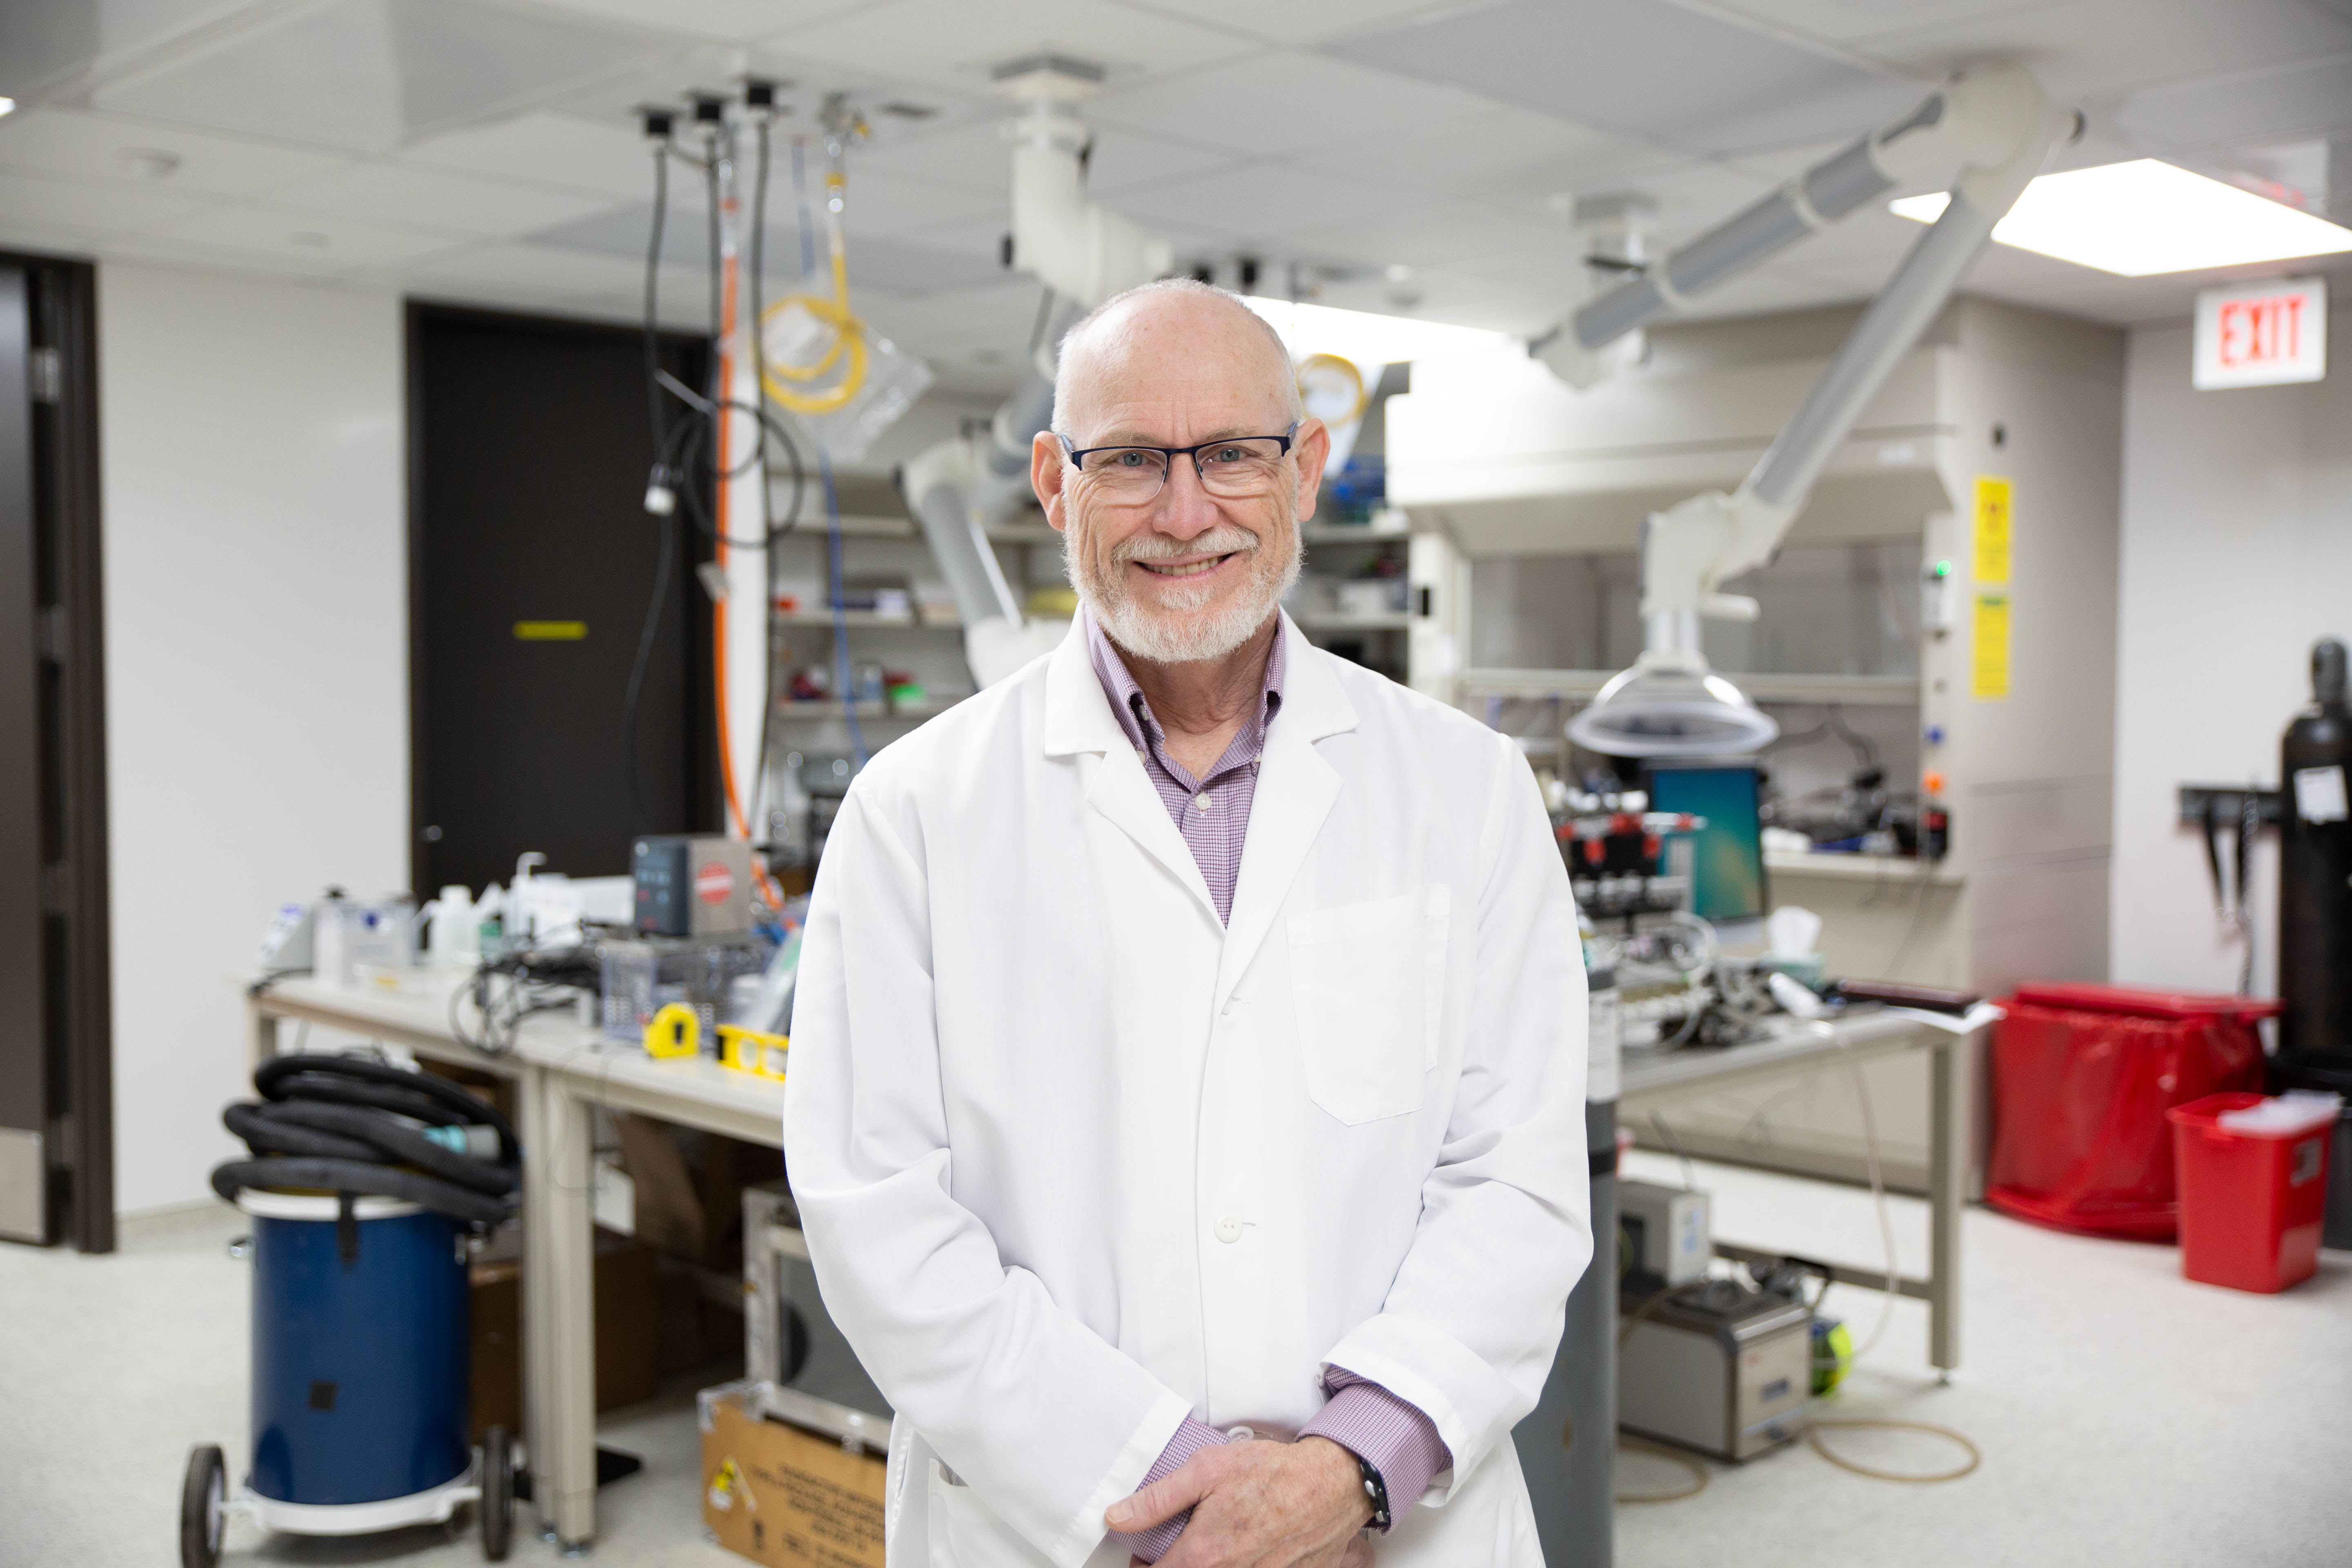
x: 1386, y: 1433
x: 1152, y: 1544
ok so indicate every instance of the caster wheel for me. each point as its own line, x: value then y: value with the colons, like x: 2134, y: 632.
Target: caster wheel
x: 497, y: 1507
x: 204, y: 1507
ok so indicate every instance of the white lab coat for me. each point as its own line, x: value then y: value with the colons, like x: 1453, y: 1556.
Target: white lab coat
x: 1074, y: 1161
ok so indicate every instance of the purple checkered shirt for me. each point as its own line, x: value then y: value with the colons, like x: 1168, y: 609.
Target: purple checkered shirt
x: 1212, y: 815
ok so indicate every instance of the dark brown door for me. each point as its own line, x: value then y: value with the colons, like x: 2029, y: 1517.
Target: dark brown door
x: 532, y: 564
x: 55, y: 1101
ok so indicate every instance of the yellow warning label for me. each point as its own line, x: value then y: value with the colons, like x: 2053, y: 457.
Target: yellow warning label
x: 550, y: 631
x: 1993, y: 518
x: 1989, y: 670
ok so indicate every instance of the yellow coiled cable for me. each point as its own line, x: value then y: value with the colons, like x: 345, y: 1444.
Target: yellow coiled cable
x: 848, y: 331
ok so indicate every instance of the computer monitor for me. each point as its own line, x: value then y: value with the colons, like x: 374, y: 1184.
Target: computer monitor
x: 1727, y: 855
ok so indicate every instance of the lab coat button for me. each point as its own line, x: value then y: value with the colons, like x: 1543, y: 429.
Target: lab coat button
x: 1228, y: 1229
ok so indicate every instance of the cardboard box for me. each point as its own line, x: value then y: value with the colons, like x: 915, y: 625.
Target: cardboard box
x: 783, y: 1496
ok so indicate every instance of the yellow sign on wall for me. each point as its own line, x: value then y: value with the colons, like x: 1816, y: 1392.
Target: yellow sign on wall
x: 1993, y: 517
x: 1989, y: 667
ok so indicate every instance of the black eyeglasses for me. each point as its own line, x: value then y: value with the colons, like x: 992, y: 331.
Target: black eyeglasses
x: 1231, y: 467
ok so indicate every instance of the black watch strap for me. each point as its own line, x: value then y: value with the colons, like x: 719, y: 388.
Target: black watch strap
x: 1377, y: 1491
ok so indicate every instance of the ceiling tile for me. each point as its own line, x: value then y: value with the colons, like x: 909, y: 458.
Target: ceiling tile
x: 1507, y: 155
x: 82, y: 146
x: 335, y: 241
x: 1643, y: 67
x: 1257, y: 202
x: 366, y: 74
x: 436, y: 198
x: 1300, y: 21
x: 548, y: 270
x: 736, y: 20
x: 2085, y: 47
x: 955, y: 42
x: 1432, y: 236
x: 1846, y: 21
x: 1280, y: 103
x: 90, y: 208
x: 974, y: 157
x: 608, y: 157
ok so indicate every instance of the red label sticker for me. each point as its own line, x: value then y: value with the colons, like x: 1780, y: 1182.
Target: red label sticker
x: 713, y: 883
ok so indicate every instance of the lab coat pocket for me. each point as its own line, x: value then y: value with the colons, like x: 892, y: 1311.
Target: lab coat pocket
x: 1368, y: 980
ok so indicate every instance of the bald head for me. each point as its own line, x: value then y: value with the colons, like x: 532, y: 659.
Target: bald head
x: 1175, y: 341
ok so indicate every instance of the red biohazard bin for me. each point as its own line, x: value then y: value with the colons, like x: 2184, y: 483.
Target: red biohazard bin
x: 2250, y: 1201
x: 2082, y: 1077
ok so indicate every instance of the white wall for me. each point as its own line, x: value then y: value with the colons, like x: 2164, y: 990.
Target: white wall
x: 2237, y: 554
x: 257, y: 665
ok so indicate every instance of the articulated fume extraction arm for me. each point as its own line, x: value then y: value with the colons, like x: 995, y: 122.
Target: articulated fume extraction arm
x: 1999, y: 128
x: 1084, y: 254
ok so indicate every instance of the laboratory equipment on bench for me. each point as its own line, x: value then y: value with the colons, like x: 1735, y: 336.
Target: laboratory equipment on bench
x: 341, y: 940
x: 791, y: 1349
x: 367, y: 1186
x: 1725, y: 844
x: 1718, y: 1365
x: 1997, y: 125
x: 708, y: 976
x: 1668, y: 1239
x: 1615, y: 848
x: 691, y: 885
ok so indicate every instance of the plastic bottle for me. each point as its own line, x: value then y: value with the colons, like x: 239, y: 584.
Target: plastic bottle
x: 452, y: 937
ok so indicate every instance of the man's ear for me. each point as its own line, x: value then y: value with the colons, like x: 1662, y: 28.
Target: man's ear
x: 1048, y: 469
x: 1313, y: 446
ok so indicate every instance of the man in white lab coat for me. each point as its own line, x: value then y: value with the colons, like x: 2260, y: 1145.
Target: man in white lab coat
x: 1186, y: 1102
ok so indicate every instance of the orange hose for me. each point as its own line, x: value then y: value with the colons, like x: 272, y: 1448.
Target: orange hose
x: 768, y: 891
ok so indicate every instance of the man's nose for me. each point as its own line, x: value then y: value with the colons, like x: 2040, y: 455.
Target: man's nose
x: 1183, y: 509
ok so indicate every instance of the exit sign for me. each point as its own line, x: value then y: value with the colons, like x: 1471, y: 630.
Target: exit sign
x: 2259, y: 334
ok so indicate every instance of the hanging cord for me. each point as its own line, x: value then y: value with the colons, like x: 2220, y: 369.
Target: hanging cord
x: 832, y: 494
x: 782, y: 381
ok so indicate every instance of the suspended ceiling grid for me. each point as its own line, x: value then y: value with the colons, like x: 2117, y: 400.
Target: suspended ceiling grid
x: 1411, y: 155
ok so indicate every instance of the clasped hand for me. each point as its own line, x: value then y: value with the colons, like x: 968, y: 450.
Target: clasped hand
x: 1259, y: 1504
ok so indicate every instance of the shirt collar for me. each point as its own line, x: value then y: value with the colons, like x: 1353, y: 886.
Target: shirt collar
x: 1133, y: 709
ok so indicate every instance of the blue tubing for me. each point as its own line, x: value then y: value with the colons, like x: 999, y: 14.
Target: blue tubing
x: 362, y: 1369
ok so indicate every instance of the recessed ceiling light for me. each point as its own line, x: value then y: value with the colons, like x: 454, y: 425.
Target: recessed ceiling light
x: 1366, y: 337
x: 2144, y: 217
x: 7, y: 106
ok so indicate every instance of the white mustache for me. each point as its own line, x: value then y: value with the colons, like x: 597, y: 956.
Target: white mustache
x: 1225, y: 540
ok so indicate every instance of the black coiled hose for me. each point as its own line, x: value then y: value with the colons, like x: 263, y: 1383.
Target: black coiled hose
x: 351, y: 1126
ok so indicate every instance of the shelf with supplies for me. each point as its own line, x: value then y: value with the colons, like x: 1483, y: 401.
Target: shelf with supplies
x: 933, y: 621
x: 817, y: 711
x: 1338, y: 621
x: 1888, y: 690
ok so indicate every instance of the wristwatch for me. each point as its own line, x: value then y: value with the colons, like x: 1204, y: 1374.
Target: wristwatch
x: 1377, y: 1491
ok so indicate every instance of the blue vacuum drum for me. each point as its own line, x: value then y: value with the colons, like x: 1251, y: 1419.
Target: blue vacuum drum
x: 361, y: 1349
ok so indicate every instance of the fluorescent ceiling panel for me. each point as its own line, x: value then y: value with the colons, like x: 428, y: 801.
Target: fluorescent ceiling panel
x: 1642, y: 67
x: 1367, y: 338
x: 2144, y: 217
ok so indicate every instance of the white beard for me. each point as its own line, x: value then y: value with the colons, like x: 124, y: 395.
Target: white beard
x: 1173, y: 631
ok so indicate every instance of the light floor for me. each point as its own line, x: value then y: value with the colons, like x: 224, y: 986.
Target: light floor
x: 2127, y: 1419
